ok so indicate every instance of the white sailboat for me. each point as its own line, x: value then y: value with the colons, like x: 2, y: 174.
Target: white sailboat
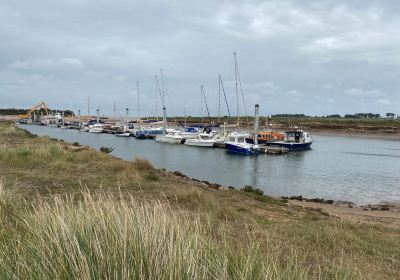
x: 172, y: 137
x: 169, y: 135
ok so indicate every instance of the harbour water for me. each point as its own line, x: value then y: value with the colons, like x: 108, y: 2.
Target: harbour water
x: 340, y: 168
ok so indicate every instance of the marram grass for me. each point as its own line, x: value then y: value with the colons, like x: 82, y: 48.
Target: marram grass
x: 102, y: 236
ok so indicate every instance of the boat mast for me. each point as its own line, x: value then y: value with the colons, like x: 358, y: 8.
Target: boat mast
x: 205, y: 101
x: 127, y: 118
x: 236, y: 90
x: 155, y: 83
x: 138, y: 101
x: 219, y: 98
x: 88, y: 106
x: 256, y: 117
x: 79, y: 118
x: 163, y: 103
x: 201, y: 104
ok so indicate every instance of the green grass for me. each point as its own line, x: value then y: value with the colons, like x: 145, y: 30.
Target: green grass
x: 68, y: 213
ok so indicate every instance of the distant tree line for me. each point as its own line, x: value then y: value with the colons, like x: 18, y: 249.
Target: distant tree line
x: 14, y: 112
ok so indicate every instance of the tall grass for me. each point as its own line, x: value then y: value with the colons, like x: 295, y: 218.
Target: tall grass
x: 102, y: 236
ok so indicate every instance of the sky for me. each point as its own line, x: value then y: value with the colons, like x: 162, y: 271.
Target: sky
x: 305, y: 57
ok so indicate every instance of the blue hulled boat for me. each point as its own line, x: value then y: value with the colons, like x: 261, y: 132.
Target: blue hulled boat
x: 236, y: 143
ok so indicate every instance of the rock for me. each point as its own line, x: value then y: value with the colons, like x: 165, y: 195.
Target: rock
x: 179, y: 174
x: 298, y: 197
x: 215, y: 186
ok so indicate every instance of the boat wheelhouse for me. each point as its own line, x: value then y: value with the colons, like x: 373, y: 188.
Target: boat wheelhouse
x: 294, y: 140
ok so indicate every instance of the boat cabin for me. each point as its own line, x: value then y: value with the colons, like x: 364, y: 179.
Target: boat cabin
x: 297, y: 136
x: 270, y: 136
x: 237, y: 138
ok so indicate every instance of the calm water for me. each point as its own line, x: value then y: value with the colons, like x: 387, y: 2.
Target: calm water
x: 340, y: 168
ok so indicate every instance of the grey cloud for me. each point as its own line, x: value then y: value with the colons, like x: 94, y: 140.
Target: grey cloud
x: 321, y: 51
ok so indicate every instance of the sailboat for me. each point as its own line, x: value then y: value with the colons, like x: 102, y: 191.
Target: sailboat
x: 97, y: 127
x: 169, y: 136
x: 236, y: 141
x: 125, y: 132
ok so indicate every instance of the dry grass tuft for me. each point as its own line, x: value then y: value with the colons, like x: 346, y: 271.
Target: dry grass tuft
x: 142, y: 164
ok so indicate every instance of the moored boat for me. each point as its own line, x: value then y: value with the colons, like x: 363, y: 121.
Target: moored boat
x: 267, y: 136
x: 96, y: 128
x: 201, y: 140
x: 190, y: 132
x: 172, y: 137
x: 236, y: 142
x: 294, y: 140
x: 123, y: 134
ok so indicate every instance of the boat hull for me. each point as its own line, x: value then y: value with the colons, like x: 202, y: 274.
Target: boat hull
x: 199, y: 144
x: 238, y: 149
x: 171, y: 140
x: 123, y: 134
x: 95, y: 130
x: 291, y: 146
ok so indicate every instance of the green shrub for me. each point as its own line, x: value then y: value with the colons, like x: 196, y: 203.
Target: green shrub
x: 258, y: 191
x: 248, y: 188
x: 76, y: 144
x: 151, y: 176
x: 106, y: 150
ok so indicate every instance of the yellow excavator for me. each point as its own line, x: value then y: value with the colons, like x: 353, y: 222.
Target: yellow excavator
x: 37, y: 107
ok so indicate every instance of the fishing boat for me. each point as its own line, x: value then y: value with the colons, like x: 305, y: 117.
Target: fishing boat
x: 294, y: 140
x: 172, y: 137
x: 96, y: 128
x: 236, y: 143
x: 201, y: 140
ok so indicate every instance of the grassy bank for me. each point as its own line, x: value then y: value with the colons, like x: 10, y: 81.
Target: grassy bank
x: 345, y: 125
x: 70, y: 212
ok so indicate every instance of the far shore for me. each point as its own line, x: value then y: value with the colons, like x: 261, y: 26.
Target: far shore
x: 370, y: 135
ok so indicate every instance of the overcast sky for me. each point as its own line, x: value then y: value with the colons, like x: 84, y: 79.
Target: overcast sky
x: 311, y: 57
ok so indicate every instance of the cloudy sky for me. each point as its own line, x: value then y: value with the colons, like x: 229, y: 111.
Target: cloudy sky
x: 312, y: 57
